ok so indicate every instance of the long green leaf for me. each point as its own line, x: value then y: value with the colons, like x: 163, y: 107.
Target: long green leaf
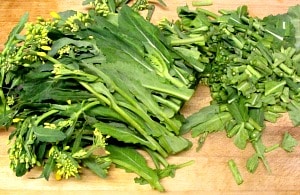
x: 215, y: 123
x: 121, y: 133
x: 48, y: 168
x: 131, y: 160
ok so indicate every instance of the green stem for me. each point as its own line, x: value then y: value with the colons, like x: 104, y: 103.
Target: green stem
x: 202, y: 3
x: 235, y: 172
x: 131, y: 121
x: 206, y: 12
x: 76, y: 115
x: 189, y: 40
x: 271, y: 148
x: 43, y: 116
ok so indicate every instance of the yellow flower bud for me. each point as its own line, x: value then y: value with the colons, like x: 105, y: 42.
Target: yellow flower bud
x: 58, y: 176
x: 41, y: 54
x: 55, y: 15
x: 46, y: 48
x: 16, y: 120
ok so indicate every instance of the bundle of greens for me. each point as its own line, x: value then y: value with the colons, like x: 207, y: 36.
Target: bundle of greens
x: 252, y: 70
x: 92, y: 89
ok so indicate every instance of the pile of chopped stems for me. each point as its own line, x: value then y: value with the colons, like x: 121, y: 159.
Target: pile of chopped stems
x: 252, y: 68
x: 91, y: 89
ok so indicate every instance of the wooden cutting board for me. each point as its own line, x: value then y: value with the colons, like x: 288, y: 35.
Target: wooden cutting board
x: 209, y: 174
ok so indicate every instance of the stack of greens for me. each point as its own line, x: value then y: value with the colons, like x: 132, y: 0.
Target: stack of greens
x: 93, y: 89
x: 88, y: 90
x: 252, y: 67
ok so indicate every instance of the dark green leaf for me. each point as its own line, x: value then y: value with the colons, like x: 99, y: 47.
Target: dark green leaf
x: 215, y: 123
x: 174, y: 144
x: 21, y: 169
x: 48, y: 167
x: 48, y: 135
x: 18, y: 28
x: 121, y: 133
x: 98, y: 169
x: 198, y: 117
x: 130, y: 159
x: 238, y: 110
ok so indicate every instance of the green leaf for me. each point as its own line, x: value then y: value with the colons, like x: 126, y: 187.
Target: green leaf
x: 174, y: 144
x: 241, y: 138
x: 288, y: 142
x: 238, y: 110
x: 121, y: 133
x: 58, y: 44
x: 252, y: 163
x: 294, y: 15
x: 215, y: 123
x: 131, y: 160
x: 48, y: 135
x: 198, y: 117
x: 21, y: 169
x: 274, y: 87
x: 99, y: 169
x: 48, y: 167
x: 260, y: 151
x: 191, y: 56
x: 293, y: 111
x: 18, y: 28
x: 134, y: 25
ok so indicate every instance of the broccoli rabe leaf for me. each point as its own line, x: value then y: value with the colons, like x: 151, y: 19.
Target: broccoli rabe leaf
x: 201, y: 116
x: 215, y: 123
x: 99, y: 168
x: 241, y: 138
x: 48, y: 168
x: 48, y: 135
x: 17, y: 29
x: 131, y: 160
x: 294, y: 15
x: 121, y: 133
x: 288, y: 142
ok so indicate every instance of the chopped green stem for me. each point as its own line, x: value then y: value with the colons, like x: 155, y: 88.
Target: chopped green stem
x: 286, y: 69
x: 189, y: 40
x: 271, y: 148
x: 261, y: 155
x: 202, y: 3
x: 235, y: 172
x: 206, y: 12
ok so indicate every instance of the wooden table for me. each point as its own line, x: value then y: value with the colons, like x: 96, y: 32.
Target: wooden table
x: 209, y: 174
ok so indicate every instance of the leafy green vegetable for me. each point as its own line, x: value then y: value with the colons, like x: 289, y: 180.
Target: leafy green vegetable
x: 85, y: 85
x: 92, y: 89
x: 251, y: 68
x: 288, y: 142
x: 48, y: 135
x: 131, y: 160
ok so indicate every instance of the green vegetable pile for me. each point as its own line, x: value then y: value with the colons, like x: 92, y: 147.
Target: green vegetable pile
x: 88, y: 90
x: 252, y: 67
x: 95, y: 89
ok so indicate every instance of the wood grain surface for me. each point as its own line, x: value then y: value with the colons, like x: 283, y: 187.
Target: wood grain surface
x: 209, y: 174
